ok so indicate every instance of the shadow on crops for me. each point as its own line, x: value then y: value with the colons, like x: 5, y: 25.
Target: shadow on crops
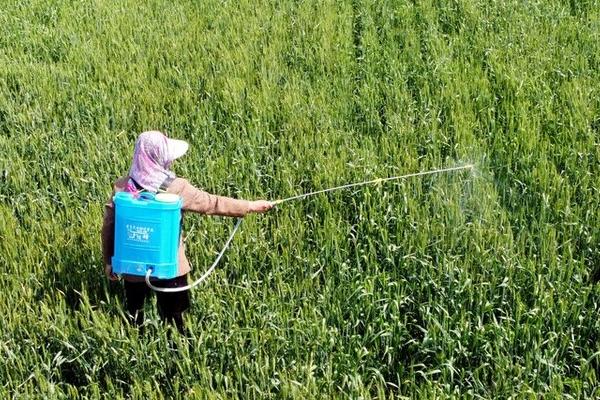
x: 79, y: 277
x: 595, y: 276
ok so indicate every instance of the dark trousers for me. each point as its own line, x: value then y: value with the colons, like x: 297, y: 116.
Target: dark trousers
x: 170, y: 305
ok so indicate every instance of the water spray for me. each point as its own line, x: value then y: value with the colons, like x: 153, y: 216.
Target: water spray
x: 293, y: 198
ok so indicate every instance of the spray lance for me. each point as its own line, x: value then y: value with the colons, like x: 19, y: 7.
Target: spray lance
x: 293, y: 198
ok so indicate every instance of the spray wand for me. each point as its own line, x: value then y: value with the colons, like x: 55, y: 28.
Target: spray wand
x: 285, y: 200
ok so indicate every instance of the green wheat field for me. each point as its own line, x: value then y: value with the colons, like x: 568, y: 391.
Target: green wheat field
x: 473, y: 284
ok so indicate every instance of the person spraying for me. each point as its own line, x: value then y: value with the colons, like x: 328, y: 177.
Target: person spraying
x: 151, y: 172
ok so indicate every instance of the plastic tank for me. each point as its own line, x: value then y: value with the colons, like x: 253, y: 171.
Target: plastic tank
x: 147, y: 231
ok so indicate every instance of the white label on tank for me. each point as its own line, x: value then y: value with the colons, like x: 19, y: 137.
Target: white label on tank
x: 139, y: 233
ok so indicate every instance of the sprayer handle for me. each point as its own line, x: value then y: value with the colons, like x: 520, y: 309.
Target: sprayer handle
x: 147, y: 196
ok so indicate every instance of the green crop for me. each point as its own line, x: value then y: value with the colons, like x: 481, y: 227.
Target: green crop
x: 475, y: 285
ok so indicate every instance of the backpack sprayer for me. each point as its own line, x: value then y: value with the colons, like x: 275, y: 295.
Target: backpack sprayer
x: 148, y: 228
x: 147, y: 231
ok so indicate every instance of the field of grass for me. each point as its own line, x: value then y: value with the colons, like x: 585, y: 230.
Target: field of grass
x: 477, y: 285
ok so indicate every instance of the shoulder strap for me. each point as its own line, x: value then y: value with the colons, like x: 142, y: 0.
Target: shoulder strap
x: 166, y: 183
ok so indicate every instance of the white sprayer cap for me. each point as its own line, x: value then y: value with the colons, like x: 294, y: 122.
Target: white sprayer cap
x: 167, y: 198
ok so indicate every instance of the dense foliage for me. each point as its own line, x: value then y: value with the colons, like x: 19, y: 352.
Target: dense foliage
x: 476, y: 285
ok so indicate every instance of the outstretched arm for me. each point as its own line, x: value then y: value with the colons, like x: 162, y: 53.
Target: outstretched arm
x: 197, y: 200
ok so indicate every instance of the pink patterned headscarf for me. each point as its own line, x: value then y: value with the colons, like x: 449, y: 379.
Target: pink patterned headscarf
x: 153, y: 155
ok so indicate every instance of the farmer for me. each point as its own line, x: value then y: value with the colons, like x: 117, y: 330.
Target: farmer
x: 150, y: 170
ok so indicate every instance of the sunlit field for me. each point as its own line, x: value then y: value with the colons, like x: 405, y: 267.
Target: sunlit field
x: 478, y: 283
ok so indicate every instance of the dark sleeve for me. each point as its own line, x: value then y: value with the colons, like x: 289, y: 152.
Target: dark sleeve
x: 108, y: 232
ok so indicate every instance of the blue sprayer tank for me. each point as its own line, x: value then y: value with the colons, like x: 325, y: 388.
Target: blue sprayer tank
x: 147, y: 229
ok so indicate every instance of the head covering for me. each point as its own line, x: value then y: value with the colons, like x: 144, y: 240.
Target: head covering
x: 152, y: 158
